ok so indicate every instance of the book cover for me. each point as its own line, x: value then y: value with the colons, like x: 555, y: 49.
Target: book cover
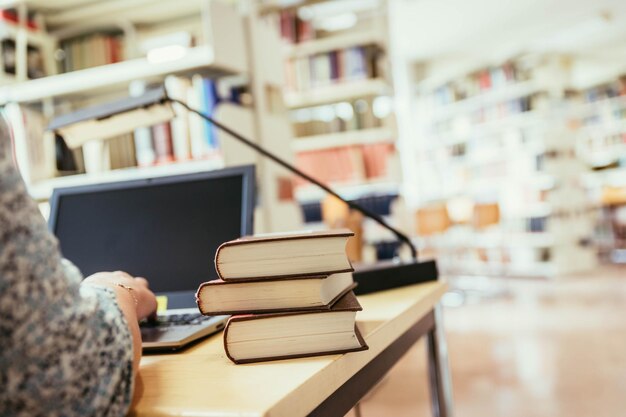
x: 210, y: 101
x: 207, y: 312
x: 331, y: 262
x: 348, y: 302
x: 270, y: 237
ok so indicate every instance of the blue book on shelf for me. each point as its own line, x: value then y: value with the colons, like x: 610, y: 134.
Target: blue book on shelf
x: 357, y: 67
x: 209, y: 103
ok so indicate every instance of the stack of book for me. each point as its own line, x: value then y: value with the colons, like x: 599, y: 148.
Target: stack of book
x: 290, y: 296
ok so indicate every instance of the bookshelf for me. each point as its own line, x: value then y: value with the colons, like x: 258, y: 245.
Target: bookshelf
x: 202, y: 49
x: 339, y: 95
x: 601, y: 145
x: 492, y: 153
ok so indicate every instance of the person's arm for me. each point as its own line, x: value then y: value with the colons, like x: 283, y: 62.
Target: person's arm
x: 134, y: 298
x: 67, y: 349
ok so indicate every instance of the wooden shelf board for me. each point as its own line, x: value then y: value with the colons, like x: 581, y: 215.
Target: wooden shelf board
x: 343, y: 41
x: 42, y: 190
x: 354, y: 137
x: 112, y: 77
x: 342, y: 91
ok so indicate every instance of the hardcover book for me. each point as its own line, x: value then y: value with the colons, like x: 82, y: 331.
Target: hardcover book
x: 264, y: 337
x: 284, y: 255
x: 219, y: 297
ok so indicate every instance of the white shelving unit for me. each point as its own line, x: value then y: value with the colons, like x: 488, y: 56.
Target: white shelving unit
x: 509, y: 144
x: 226, y: 43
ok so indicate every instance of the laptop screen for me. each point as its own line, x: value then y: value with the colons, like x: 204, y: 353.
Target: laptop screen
x: 164, y: 229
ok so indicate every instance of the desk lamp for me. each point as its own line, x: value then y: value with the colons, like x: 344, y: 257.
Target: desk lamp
x: 124, y: 116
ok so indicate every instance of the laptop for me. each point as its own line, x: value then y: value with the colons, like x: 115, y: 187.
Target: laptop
x: 165, y: 229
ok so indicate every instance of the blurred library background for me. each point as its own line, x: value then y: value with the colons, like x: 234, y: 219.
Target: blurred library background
x: 492, y: 132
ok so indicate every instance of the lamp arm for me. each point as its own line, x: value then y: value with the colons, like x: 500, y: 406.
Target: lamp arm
x: 378, y: 219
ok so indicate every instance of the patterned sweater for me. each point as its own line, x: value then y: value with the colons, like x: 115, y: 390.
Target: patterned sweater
x: 65, y: 349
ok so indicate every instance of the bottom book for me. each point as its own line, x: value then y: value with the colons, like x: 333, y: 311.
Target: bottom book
x: 265, y: 337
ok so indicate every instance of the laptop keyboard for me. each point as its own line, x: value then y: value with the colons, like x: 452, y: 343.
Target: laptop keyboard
x: 175, y: 320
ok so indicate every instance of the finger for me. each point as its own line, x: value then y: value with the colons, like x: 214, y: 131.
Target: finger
x: 142, y: 281
x: 122, y: 274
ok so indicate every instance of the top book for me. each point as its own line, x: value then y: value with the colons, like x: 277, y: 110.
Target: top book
x: 285, y: 255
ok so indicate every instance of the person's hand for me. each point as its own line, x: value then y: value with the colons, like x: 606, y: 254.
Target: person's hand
x: 146, y: 301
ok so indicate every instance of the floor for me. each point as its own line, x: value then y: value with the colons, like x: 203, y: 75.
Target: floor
x: 523, y: 348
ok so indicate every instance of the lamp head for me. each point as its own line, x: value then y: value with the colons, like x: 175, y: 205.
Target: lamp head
x: 112, y: 119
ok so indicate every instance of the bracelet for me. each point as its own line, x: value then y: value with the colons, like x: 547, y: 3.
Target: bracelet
x: 130, y: 290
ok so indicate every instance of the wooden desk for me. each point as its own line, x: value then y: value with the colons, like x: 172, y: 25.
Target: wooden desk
x: 201, y: 381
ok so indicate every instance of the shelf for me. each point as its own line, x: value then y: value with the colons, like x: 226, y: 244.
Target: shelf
x: 521, y: 120
x: 334, y: 93
x: 82, y: 12
x: 614, y: 127
x: 34, y: 37
x: 347, y: 190
x: 591, y: 108
x: 613, y: 177
x: 347, y: 40
x: 333, y: 140
x: 272, y: 6
x: 487, y: 99
x: 112, y: 77
x: 42, y: 190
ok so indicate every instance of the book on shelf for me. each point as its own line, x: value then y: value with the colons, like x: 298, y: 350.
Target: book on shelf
x: 11, y: 16
x: 346, y: 163
x: 314, y: 292
x: 177, y: 88
x: 202, y: 96
x: 345, y: 116
x: 162, y: 140
x: 105, y: 155
x: 293, y: 29
x: 326, y: 68
x: 263, y: 337
x: 35, y: 148
x: 95, y: 49
x: 294, y: 254
x: 35, y: 67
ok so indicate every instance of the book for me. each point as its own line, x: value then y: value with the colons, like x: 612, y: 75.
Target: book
x: 284, y: 255
x: 219, y: 297
x: 177, y: 88
x: 162, y: 140
x: 35, y: 149
x: 264, y: 337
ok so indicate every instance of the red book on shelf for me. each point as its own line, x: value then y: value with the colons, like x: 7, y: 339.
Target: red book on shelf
x: 162, y: 138
x: 10, y: 15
